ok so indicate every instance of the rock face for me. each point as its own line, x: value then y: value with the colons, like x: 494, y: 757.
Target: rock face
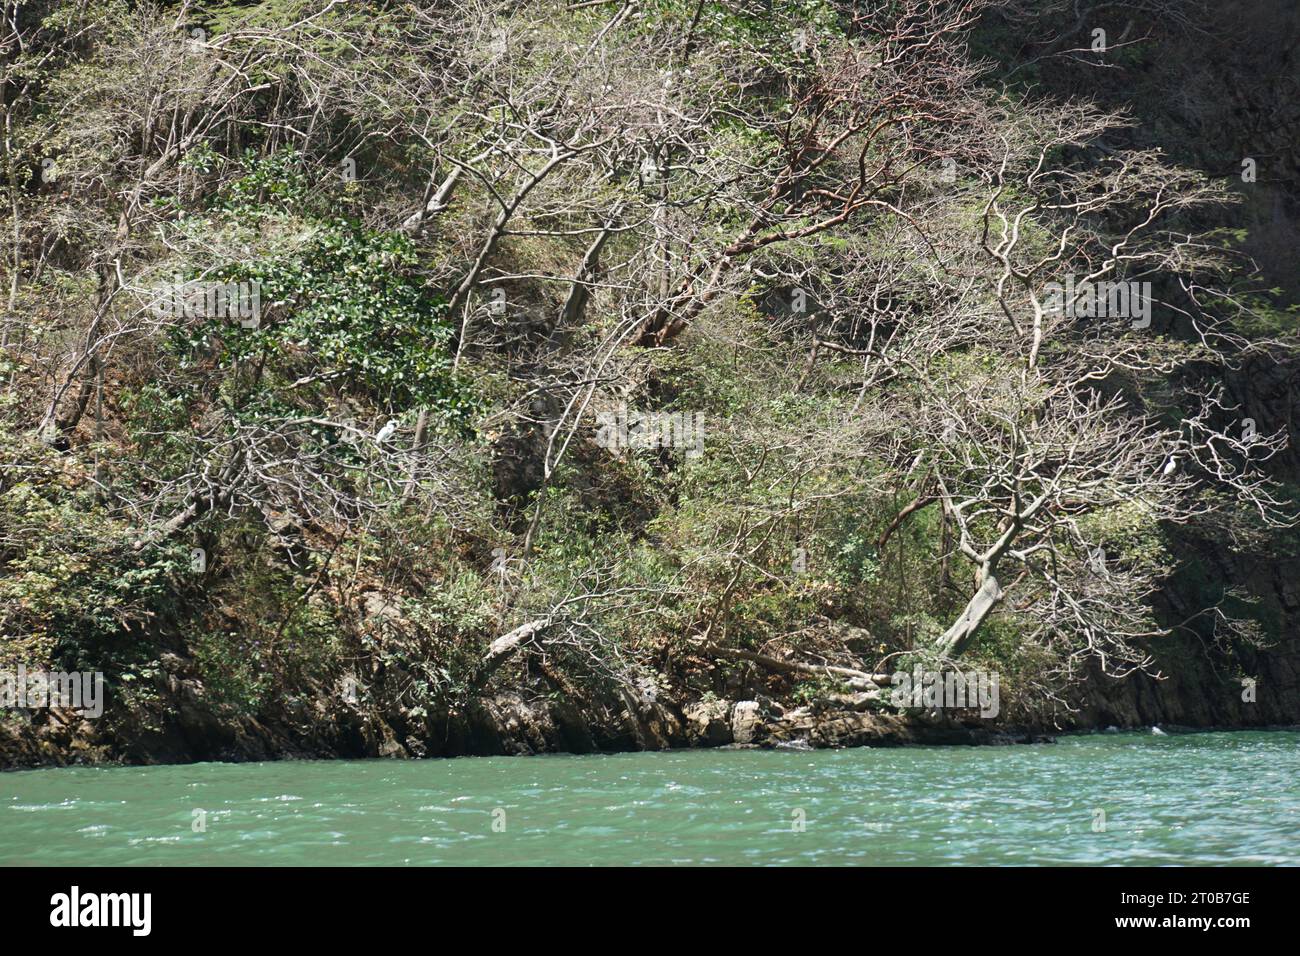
x: 707, y: 724
x: 1251, y: 688
x: 745, y: 721
x: 660, y: 728
x: 346, y: 718
x: 1209, y: 105
x: 185, y: 726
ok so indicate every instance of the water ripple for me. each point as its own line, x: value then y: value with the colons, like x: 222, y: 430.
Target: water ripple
x: 1105, y: 799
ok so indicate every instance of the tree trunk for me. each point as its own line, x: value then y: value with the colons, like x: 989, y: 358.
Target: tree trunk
x: 505, y: 646
x: 958, y: 637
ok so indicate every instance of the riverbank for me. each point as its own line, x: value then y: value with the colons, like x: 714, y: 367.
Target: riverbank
x: 179, y: 720
x: 176, y: 705
x: 506, y: 724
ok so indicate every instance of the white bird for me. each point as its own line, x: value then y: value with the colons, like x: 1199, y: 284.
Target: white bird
x: 1171, y: 466
x: 386, y: 432
x: 1157, y: 732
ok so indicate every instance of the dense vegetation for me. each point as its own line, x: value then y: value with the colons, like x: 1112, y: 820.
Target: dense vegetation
x: 817, y: 240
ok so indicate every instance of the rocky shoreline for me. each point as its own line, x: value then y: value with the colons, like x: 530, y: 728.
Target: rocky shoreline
x: 501, y: 725
x: 524, y: 712
x: 185, y: 725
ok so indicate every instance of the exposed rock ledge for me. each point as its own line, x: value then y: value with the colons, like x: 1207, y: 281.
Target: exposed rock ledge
x: 186, y: 728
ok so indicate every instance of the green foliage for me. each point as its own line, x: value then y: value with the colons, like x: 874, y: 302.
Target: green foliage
x: 444, y: 634
x: 72, y: 588
x: 270, y: 186
x: 284, y: 643
x: 750, y: 26
x: 818, y: 688
x: 347, y: 301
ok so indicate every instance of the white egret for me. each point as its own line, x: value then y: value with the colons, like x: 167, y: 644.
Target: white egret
x: 386, y: 432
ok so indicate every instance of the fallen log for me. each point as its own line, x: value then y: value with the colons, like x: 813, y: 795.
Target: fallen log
x: 505, y: 646
x: 858, y: 680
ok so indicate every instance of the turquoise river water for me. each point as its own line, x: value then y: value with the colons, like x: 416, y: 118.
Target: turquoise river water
x: 1135, y: 799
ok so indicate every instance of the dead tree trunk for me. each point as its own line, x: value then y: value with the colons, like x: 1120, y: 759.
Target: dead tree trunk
x: 506, y: 646
x: 957, y: 638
